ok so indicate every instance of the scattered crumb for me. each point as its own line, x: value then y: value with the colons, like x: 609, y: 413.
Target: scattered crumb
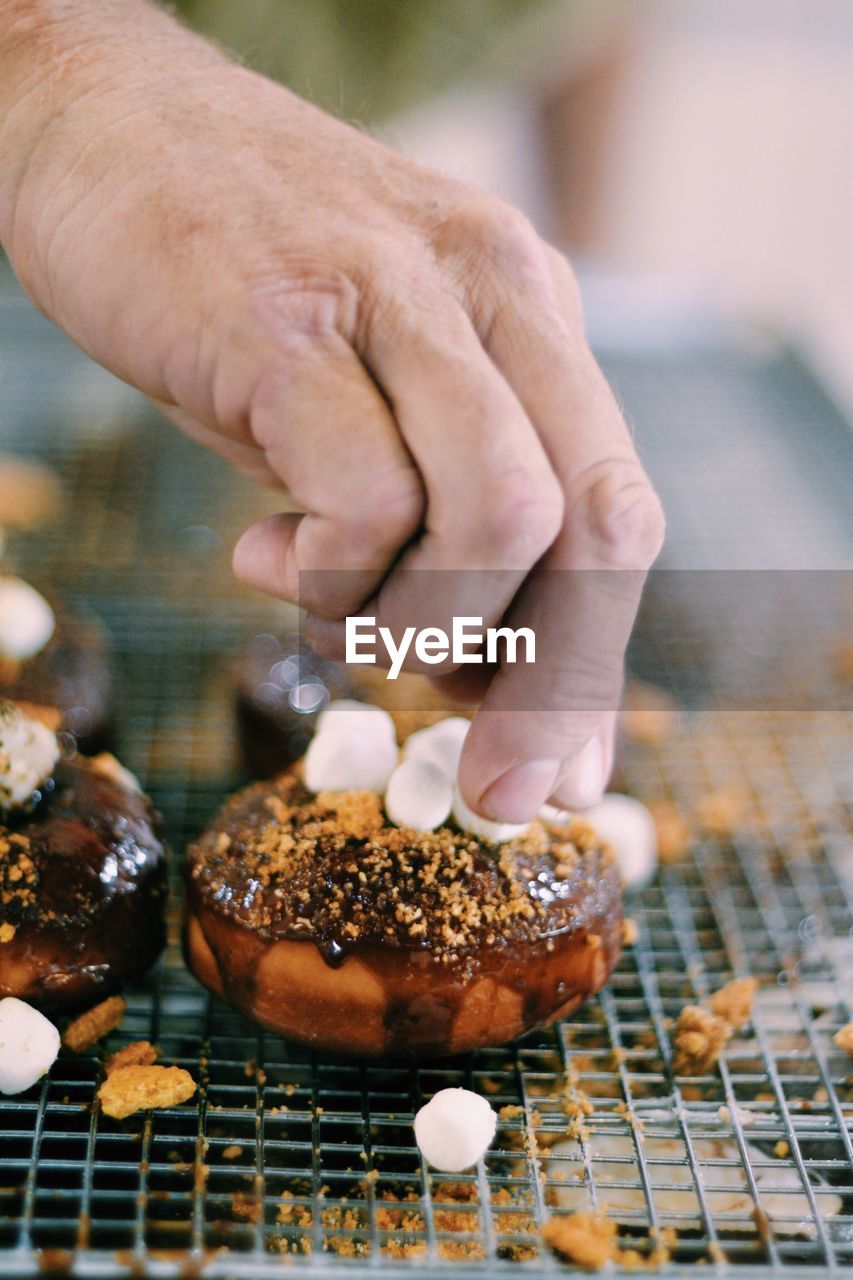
x: 245, y: 1206
x: 7, y: 931
x: 94, y: 1024
x: 649, y: 714
x: 716, y: 1253
x: 781, y: 1149
x: 844, y: 1040
x: 698, y: 1040
x: 510, y: 1112
x: 672, y: 828
x: 733, y: 1002
x: 720, y: 812
x: 586, y: 1239
x: 630, y: 932
x: 232, y: 1153
x: 133, y: 1089
x: 139, y: 1054
x: 491, y: 1086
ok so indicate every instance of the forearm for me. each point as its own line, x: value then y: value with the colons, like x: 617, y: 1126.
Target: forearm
x: 60, y: 58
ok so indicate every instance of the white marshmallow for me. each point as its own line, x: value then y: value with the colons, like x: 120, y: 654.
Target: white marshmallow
x: 356, y: 717
x: 349, y: 760
x: 28, y: 753
x: 27, y: 621
x: 453, y: 1130
x: 550, y: 813
x: 419, y: 795
x: 626, y: 825
x: 498, y: 832
x: 28, y: 1045
x: 440, y: 744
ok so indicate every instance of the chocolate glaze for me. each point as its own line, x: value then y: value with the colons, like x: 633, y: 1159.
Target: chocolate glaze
x: 491, y: 987
x: 90, y: 916
x: 73, y: 674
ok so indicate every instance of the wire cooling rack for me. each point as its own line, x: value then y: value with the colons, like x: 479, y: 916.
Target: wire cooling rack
x: 291, y: 1158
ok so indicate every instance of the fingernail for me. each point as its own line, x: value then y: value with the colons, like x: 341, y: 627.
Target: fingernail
x: 518, y: 793
x: 583, y: 783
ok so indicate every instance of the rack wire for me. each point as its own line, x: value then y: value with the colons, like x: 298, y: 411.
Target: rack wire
x: 290, y: 1157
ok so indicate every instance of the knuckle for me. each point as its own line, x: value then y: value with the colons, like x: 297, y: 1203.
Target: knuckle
x: 304, y: 300
x: 621, y: 514
x: 525, y: 515
x: 504, y: 236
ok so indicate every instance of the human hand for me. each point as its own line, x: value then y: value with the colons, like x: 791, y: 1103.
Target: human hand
x: 400, y: 353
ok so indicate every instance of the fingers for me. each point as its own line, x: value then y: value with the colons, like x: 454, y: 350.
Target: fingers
x: 327, y: 432
x: 493, y: 502
x: 546, y: 728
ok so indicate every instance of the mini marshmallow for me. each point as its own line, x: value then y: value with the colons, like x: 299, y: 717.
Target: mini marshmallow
x: 28, y: 753
x: 498, y: 832
x: 348, y: 760
x: 28, y: 1045
x: 356, y: 717
x: 419, y: 795
x: 626, y: 825
x: 453, y: 1130
x: 550, y: 813
x: 440, y: 744
x: 27, y: 621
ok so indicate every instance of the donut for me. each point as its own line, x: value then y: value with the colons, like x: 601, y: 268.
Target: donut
x: 57, y: 663
x: 282, y: 685
x: 319, y: 919
x: 82, y: 872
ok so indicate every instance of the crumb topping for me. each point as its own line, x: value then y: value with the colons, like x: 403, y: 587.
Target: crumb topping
x: 330, y: 867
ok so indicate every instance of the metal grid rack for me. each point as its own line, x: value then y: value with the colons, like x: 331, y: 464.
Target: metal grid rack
x: 287, y: 1157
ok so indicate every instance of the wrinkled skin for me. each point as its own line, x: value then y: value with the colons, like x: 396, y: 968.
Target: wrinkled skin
x: 400, y: 353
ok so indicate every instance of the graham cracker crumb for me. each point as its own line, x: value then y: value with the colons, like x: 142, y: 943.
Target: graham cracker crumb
x: 699, y: 1039
x: 586, y: 1239
x: 844, y: 1038
x: 232, y: 1153
x: 94, y: 1024
x: 630, y: 933
x: 7, y: 932
x: 139, y: 1054
x: 781, y: 1149
x: 733, y: 1002
x: 720, y: 812
x: 133, y: 1089
x: 672, y: 828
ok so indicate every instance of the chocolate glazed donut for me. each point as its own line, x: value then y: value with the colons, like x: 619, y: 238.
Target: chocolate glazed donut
x: 319, y: 920
x: 82, y: 890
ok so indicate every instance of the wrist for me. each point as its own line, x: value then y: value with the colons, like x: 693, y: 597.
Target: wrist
x: 66, y: 67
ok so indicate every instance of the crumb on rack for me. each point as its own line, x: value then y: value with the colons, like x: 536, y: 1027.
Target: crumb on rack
x: 782, y: 1149
x: 139, y: 1054
x: 699, y: 1039
x: 7, y: 931
x: 630, y: 933
x: 844, y: 1038
x: 733, y: 1002
x: 720, y: 812
x: 586, y: 1239
x: 672, y: 829
x: 94, y: 1024
x: 133, y: 1089
x: 232, y: 1153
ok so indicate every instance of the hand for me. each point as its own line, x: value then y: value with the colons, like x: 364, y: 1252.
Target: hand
x: 400, y: 353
